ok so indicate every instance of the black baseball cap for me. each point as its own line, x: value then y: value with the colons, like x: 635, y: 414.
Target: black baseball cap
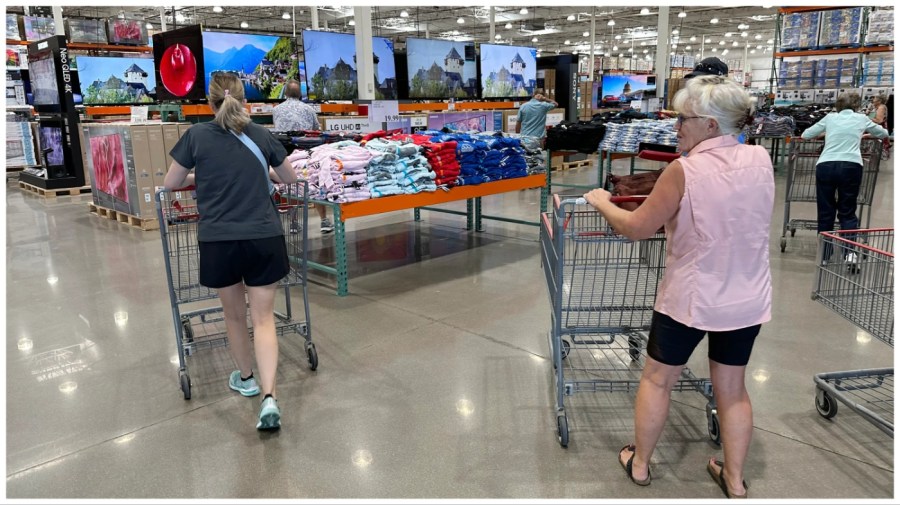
x: 709, y: 66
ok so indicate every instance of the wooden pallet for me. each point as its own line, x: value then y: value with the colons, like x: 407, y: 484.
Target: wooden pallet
x: 53, y: 193
x: 569, y: 165
x: 114, y: 215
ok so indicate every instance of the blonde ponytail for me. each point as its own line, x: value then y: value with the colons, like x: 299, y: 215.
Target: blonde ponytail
x: 226, y: 97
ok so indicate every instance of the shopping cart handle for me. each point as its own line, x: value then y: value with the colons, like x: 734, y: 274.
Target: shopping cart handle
x: 616, y: 199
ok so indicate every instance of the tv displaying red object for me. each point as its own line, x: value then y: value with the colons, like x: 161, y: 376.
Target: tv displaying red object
x: 178, y: 60
x: 127, y: 31
x: 109, y: 166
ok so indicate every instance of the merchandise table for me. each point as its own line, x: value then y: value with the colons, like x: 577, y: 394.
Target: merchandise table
x: 419, y: 201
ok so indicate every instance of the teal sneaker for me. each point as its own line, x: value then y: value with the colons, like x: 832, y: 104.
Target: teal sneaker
x: 269, y: 415
x: 247, y: 387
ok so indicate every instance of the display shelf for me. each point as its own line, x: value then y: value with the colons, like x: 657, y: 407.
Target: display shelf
x: 81, y: 46
x: 840, y: 50
x: 794, y: 10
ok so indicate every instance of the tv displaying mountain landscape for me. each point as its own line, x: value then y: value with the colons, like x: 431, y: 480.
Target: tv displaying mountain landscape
x: 331, y: 66
x: 508, y: 71
x: 110, y: 80
x: 438, y: 69
x: 264, y: 63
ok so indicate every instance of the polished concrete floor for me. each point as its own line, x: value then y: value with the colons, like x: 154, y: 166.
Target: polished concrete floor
x: 434, y: 378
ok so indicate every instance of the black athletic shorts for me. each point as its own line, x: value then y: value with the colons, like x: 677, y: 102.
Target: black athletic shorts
x: 257, y: 262
x: 672, y: 343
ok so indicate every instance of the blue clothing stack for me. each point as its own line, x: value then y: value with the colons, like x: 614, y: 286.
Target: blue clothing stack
x: 397, y: 169
x: 471, y: 155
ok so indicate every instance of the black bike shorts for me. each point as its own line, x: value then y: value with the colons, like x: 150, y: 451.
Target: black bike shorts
x: 257, y: 262
x: 672, y: 343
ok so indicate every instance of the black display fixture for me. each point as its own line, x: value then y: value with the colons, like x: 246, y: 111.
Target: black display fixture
x: 566, y: 66
x: 54, y: 88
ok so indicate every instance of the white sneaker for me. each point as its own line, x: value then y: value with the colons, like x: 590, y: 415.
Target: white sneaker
x: 852, y: 262
x: 326, y: 226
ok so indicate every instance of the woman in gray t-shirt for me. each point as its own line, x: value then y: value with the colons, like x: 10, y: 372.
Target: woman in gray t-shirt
x: 241, y: 240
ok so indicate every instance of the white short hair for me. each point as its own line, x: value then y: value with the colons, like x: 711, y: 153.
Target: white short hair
x: 717, y: 97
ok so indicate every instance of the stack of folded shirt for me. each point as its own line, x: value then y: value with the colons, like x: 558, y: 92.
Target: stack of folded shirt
x: 471, y: 155
x: 511, y: 161
x: 442, y: 158
x: 398, y: 168
x: 534, y: 156
x: 299, y: 160
x: 341, y: 169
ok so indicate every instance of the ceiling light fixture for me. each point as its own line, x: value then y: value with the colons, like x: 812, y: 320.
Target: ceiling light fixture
x: 708, y: 41
x: 508, y: 26
x: 645, y: 11
x: 682, y: 14
x: 567, y: 42
x: 645, y: 51
x: 744, y: 34
x: 217, y: 9
x: 570, y: 17
x: 725, y: 52
x: 769, y: 41
x: 352, y: 23
x: 523, y: 11
x: 714, y: 20
x: 743, y: 26
x: 615, y: 48
x: 244, y: 24
x: 404, y: 14
x: 693, y: 39
x: 611, y: 23
x: 715, y: 50
x: 618, y: 37
x: 688, y: 48
x: 285, y: 16
x: 460, y: 20
x: 734, y: 44
x: 534, y: 39
x: 757, y: 36
x: 721, y: 42
x: 149, y: 26
x: 728, y: 34
x: 498, y: 36
x: 675, y: 31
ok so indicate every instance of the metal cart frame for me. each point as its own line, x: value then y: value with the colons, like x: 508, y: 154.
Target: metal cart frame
x: 862, y: 291
x: 204, y: 328
x: 602, y: 289
x: 801, y: 182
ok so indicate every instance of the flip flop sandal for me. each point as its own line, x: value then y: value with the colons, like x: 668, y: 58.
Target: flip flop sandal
x: 628, y: 466
x: 720, y: 479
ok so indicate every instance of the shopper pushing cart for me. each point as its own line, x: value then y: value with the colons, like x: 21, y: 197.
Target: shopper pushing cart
x: 716, y: 204
x: 234, y: 241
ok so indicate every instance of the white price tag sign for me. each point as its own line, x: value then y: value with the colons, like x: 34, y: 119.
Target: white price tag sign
x: 139, y: 114
x: 384, y: 111
x: 419, y: 121
x: 554, y: 118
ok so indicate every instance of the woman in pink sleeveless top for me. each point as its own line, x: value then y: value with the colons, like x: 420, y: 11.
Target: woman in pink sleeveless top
x: 716, y: 204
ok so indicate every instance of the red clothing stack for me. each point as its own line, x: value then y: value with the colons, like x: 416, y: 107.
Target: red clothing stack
x: 442, y: 158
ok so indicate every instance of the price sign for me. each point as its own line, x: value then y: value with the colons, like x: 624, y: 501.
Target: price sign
x: 383, y: 111
x: 139, y: 114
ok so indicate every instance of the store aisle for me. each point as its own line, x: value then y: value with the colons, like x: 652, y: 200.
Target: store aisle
x: 433, y: 379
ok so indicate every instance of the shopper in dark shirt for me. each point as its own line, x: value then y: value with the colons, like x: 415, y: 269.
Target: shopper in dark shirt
x: 241, y: 241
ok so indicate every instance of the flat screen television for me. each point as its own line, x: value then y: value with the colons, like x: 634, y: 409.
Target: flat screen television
x: 109, y: 165
x: 42, y: 74
x: 112, y: 80
x: 51, y: 140
x: 178, y: 62
x: 622, y: 89
x: 90, y: 31
x: 130, y: 32
x: 12, y: 27
x: 441, y: 69
x: 263, y: 62
x: 508, y: 71
x: 330, y: 60
x: 38, y: 28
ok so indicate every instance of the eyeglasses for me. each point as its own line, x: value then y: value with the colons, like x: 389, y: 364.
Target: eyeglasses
x: 682, y: 118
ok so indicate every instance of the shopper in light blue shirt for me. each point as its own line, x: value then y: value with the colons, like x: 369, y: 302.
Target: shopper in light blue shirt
x: 532, y: 117
x: 839, y: 168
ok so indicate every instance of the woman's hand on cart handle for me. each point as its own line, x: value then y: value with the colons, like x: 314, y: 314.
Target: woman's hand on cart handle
x: 597, y: 196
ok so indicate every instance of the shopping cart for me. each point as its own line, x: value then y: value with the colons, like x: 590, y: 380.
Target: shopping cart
x: 204, y: 327
x: 855, y: 278
x: 602, y: 290
x: 801, y: 182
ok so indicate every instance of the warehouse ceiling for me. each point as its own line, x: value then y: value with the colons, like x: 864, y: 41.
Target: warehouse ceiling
x: 556, y: 29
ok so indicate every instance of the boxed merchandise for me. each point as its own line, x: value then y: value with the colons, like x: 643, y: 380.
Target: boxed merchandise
x: 170, y: 138
x: 20, y: 150
x: 826, y: 96
x: 880, y: 29
x: 878, y: 69
x: 157, y: 154
x: 800, y: 30
x: 110, y: 157
x: 144, y: 171
x: 841, y: 27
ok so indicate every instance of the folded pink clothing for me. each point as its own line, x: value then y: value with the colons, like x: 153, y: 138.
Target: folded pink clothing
x: 346, y: 178
x: 298, y: 155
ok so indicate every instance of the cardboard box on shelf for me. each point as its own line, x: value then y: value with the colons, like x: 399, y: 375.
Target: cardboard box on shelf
x: 170, y: 138
x: 157, y: 154
x: 144, y: 171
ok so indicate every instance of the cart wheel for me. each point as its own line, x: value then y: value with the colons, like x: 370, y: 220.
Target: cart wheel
x: 185, y: 385
x: 188, y: 331
x: 712, y: 425
x: 825, y: 405
x: 634, y: 348
x: 565, y: 348
x: 562, y: 430
x: 783, y: 244
x: 793, y: 231
x: 312, y: 356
